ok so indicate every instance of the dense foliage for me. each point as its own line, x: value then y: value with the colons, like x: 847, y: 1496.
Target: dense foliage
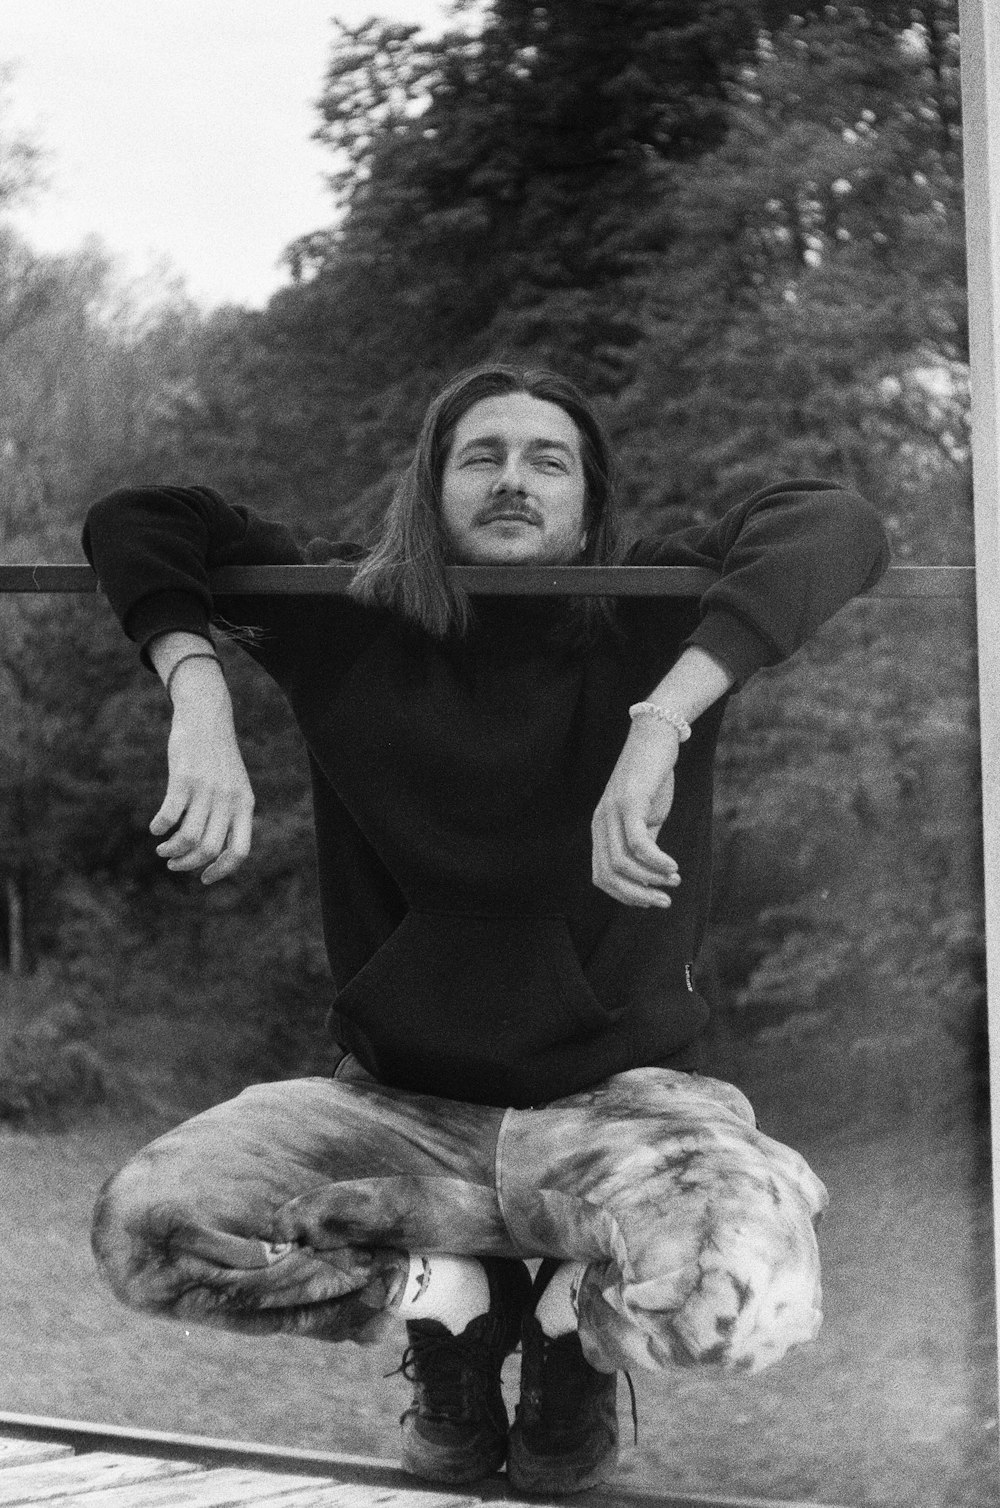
x: 740, y: 227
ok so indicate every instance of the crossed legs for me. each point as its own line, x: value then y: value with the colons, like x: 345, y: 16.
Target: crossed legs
x: 293, y: 1208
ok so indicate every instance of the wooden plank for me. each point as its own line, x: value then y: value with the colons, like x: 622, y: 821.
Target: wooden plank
x: 353, y: 1495
x: 25, y: 1452
x: 497, y: 581
x: 57, y: 1480
x: 89, y: 1435
x: 218, y: 1488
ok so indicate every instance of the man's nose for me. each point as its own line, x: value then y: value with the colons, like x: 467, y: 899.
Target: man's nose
x: 510, y: 477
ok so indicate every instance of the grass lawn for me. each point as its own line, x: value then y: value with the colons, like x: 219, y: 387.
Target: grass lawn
x: 894, y: 1405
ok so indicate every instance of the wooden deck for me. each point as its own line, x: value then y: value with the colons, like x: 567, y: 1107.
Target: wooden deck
x: 69, y: 1464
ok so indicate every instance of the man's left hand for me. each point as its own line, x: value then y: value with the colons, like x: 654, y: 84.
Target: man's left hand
x: 627, y: 861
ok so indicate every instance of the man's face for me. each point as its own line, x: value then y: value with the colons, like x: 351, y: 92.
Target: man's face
x: 513, y: 488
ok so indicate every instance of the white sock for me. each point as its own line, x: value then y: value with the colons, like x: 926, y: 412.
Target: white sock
x: 556, y: 1309
x: 441, y: 1287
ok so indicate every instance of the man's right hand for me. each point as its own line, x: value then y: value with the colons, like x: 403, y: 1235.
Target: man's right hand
x: 208, y: 807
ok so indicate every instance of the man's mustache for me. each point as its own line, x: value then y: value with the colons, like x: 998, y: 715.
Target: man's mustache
x: 510, y: 508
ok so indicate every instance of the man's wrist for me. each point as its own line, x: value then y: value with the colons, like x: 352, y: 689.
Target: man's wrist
x: 167, y: 650
x: 663, y: 716
x: 195, y: 677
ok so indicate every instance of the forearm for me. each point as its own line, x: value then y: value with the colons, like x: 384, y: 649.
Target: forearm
x: 188, y: 665
x: 695, y: 682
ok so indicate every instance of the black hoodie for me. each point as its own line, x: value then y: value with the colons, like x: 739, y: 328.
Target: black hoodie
x: 454, y: 780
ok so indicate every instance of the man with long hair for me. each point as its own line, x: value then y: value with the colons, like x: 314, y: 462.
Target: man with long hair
x: 512, y: 799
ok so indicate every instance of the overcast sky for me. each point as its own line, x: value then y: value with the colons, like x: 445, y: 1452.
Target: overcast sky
x: 179, y: 129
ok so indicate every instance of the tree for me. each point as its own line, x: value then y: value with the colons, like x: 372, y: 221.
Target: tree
x: 78, y: 390
x: 491, y: 174
x: 91, y: 391
x: 811, y: 317
x: 499, y: 191
x: 847, y: 947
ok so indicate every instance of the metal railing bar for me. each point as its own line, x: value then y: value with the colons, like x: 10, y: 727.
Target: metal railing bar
x: 530, y: 581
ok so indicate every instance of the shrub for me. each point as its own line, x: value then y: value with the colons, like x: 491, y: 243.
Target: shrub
x: 47, y: 1068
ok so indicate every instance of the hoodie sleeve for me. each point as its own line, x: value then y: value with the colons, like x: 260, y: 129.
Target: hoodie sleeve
x: 788, y: 558
x: 153, y: 547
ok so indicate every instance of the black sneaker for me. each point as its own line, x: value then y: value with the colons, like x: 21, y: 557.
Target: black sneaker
x: 565, y: 1434
x: 455, y: 1430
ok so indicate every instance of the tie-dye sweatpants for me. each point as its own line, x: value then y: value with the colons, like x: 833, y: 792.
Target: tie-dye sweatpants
x: 291, y: 1208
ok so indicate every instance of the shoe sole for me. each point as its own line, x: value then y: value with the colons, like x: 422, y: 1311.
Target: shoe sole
x: 449, y: 1468
x: 537, y: 1476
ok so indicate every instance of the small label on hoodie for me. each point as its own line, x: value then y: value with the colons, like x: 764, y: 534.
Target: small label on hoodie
x: 688, y: 977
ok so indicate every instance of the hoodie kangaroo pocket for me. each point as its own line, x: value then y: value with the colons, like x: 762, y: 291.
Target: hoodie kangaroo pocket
x: 451, y: 994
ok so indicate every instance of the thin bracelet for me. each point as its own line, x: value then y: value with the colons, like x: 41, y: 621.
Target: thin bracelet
x: 196, y: 654
x: 662, y: 715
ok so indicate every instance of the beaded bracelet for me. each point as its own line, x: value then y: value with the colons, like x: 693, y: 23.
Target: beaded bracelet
x: 662, y: 715
x: 196, y: 654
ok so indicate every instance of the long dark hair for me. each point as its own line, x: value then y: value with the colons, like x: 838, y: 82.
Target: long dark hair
x: 406, y: 569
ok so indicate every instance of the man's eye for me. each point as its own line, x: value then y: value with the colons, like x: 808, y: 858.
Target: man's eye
x: 552, y: 463
x: 482, y: 458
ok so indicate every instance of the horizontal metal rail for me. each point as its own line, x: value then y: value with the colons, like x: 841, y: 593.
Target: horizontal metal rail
x: 491, y: 581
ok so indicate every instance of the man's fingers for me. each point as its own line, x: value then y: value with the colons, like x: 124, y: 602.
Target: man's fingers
x: 235, y: 852
x: 206, y: 815
x: 626, y: 879
x: 624, y: 867
x: 214, y: 835
x: 188, y: 835
x: 639, y: 845
x: 631, y: 850
x: 174, y: 803
x: 208, y: 846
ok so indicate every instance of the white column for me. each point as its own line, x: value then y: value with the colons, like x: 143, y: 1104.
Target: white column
x: 980, y: 35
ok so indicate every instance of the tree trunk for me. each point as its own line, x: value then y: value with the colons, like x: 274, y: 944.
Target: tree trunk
x: 15, y: 926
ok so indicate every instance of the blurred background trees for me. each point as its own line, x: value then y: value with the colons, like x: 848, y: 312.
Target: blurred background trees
x: 739, y: 226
